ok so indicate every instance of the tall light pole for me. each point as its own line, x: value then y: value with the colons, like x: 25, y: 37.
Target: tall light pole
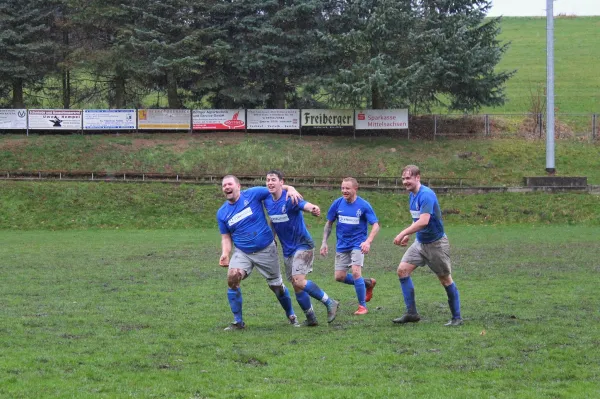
x: 550, y: 87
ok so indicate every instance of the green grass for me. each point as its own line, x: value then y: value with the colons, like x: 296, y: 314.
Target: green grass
x: 67, y: 205
x: 139, y: 313
x: 483, y: 162
x: 577, y: 83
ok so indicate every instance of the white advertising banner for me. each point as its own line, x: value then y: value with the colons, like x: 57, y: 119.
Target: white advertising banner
x: 55, y: 119
x: 327, y: 117
x: 13, y: 119
x: 112, y: 119
x: 165, y: 119
x: 273, y: 119
x: 371, y: 119
x: 218, y: 119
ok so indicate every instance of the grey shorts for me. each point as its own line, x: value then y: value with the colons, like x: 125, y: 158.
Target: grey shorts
x: 345, y: 260
x: 436, y: 255
x: 300, y: 263
x: 265, y: 260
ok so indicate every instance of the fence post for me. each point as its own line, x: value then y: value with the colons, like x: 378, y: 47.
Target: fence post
x: 434, y: 125
x: 594, y: 120
x: 487, y: 125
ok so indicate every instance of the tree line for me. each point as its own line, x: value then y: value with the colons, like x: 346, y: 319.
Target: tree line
x: 251, y: 53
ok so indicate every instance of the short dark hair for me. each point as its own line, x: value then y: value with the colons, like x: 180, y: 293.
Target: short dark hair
x: 276, y: 172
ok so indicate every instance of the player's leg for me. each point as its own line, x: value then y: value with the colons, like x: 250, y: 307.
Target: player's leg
x: 267, y: 262
x: 240, y: 267
x: 439, y: 253
x: 357, y: 260
x: 302, y: 265
x: 294, y: 267
x: 411, y: 259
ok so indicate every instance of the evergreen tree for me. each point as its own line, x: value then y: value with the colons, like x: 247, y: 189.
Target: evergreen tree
x: 270, y: 49
x: 401, y: 53
x: 169, y: 40
x: 103, y: 29
x: 28, y: 53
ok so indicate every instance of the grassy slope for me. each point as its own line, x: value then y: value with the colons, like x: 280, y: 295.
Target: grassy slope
x: 577, y: 86
x: 498, y: 162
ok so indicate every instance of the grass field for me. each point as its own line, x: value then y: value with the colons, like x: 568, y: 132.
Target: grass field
x: 140, y: 313
x: 577, y: 84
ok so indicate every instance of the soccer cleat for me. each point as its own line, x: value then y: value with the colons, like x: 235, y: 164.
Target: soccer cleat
x: 311, y: 320
x: 361, y: 310
x: 294, y: 321
x: 454, y: 323
x: 407, y: 318
x: 240, y: 325
x: 332, y: 309
x: 370, y: 290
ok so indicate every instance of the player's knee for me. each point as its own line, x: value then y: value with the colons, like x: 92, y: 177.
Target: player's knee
x: 446, y: 280
x: 403, y: 271
x: 234, y: 277
x: 340, y: 277
x: 298, y: 282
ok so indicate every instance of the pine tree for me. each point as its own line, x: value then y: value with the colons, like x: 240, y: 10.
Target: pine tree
x: 28, y: 52
x: 412, y: 53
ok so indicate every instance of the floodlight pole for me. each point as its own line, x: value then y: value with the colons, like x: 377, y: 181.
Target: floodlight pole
x: 550, y: 87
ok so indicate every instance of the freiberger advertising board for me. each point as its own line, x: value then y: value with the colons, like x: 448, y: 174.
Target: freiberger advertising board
x: 273, y: 119
x: 163, y: 119
x: 13, y: 119
x: 218, y: 119
x: 54, y: 119
x: 327, y: 117
x: 112, y: 119
x: 381, y: 119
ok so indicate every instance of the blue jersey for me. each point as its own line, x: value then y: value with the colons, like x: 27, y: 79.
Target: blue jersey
x: 352, y: 229
x: 288, y: 222
x: 426, y: 202
x: 245, y: 220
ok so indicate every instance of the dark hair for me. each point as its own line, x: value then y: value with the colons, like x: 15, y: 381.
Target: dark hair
x: 276, y: 173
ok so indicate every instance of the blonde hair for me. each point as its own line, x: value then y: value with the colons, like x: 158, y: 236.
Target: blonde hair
x: 351, y: 180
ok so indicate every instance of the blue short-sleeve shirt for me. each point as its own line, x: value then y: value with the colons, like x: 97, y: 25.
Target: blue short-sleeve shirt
x: 245, y: 220
x: 425, y: 201
x: 352, y: 219
x: 288, y: 222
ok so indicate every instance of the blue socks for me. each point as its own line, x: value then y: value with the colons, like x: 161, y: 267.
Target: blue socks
x: 304, y: 301
x: 359, y: 287
x: 408, y: 291
x: 453, y: 300
x: 285, y: 300
x: 235, y: 303
x: 361, y: 290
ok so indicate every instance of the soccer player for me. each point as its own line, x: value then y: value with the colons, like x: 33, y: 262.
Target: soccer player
x: 431, y: 247
x: 242, y: 222
x: 352, y: 214
x: 297, y: 245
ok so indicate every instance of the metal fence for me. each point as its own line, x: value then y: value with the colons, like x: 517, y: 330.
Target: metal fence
x: 526, y: 125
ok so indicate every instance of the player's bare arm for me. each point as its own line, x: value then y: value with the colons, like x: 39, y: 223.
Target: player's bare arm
x: 312, y: 208
x: 402, y: 238
x: 326, y: 233
x: 226, y: 245
x: 365, y: 247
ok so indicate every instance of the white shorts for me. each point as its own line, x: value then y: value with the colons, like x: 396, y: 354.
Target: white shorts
x: 345, y: 260
x: 265, y: 260
x: 301, y: 263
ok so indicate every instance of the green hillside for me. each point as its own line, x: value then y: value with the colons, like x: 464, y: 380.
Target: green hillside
x: 577, y: 86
